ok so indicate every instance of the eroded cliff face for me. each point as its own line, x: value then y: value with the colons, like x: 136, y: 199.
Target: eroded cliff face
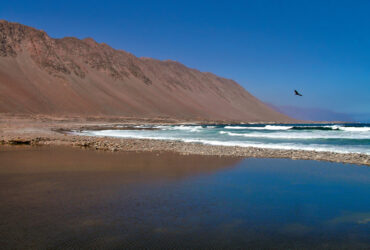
x: 69, y: 76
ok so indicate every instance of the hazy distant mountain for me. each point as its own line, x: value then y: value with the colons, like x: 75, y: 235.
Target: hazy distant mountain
x: 68, y: 76
x: 312, y: 114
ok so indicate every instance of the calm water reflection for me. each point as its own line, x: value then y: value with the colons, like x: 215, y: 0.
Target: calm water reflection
x: 63, y: 198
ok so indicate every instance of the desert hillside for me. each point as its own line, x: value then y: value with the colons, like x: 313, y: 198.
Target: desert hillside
x: 68, y: 76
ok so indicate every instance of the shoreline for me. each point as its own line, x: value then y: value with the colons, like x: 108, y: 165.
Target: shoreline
x: 36, y: 132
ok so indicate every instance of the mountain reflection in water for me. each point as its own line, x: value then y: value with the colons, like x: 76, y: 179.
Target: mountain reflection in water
x: 54, y: 197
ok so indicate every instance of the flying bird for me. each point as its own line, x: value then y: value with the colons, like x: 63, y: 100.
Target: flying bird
x: 297, y: 93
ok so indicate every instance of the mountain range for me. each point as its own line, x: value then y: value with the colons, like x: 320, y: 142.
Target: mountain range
x: 73, y: 77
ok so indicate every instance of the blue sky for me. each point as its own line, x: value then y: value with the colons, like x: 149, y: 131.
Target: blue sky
x: 321, y: 48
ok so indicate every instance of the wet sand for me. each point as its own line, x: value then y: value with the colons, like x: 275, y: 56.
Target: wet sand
x: 56, y: 131
x: 60, y: 197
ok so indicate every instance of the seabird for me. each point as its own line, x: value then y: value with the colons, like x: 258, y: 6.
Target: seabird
x: 297, y: 93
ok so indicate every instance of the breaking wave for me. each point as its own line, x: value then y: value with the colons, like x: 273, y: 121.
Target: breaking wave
x: 330, y: 137
x: 317, y: 127
x: 288, y: 136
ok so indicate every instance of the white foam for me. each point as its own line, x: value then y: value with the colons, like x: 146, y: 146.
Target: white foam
x: 180, y: 127
x: 267, y: 127
x: 350, y: 129
x: 334, y: 127
x: 355, y: 129
x: 272, y: 127
x: 187, y: 128
x: 299, y: 135
x: 125, y: 134
x: 235, y: 127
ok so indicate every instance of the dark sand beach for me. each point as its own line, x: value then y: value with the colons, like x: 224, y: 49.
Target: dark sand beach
x: 55, y: 197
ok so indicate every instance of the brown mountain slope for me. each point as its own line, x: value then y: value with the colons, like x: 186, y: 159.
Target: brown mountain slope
x: 68, y: 76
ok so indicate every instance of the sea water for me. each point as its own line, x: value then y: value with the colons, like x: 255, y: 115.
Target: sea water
x: 339, y: 138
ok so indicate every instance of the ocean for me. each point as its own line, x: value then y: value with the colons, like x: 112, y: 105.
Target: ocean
x: 338, y: 138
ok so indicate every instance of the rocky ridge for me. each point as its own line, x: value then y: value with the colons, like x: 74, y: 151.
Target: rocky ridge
x: 69, y: 76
